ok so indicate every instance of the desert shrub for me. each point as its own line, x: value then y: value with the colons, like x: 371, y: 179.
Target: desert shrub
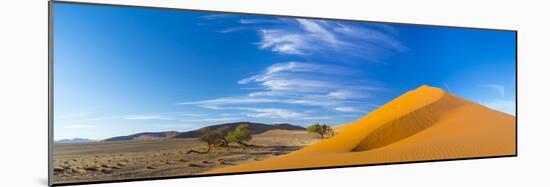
x: 210, y: 138
x: 193, y: 165
x: 240, y: 135
x: 322, y: 130
x: 222, y: 133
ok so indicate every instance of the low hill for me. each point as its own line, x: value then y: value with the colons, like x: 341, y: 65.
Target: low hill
x: 74, y: 140
x: 145, y: 136
x: 256, y: 128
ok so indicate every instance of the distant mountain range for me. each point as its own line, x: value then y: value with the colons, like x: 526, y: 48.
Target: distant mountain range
x: 256, y: 128
x: 74, y: 140
x: 145, y: 136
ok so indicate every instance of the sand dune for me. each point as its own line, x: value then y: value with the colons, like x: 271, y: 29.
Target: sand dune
x: 424, y: 124
x: 338, y: 128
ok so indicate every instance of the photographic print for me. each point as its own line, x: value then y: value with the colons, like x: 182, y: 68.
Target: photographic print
x: 148, y: 93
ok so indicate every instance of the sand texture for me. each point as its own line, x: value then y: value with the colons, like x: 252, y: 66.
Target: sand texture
x: 150, y: 158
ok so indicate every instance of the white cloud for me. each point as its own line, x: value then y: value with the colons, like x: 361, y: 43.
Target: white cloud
x: 173, y: 126
x: 295, y: 85
x: 261, y: 112
x: 283, y: 42
x: 319, y: 32
x: 274, y: 113
x: 309, y: 36
x: 211, y: 119
x: 346, y: 109
x: 297, y: 77
x: 370, y: 36
x: 216, y: 16
x: 148, y: 117
x: 299, y: 85
x: 497, y: 88
x: 346, y: 94
x: 79, y: 126
x: 233, y: 29
x: 257, y: 21
x: 290, y: 67
x: 103, y: 118
x: 190, y: 114
x: 220, y: 101
x: 305, y: 36
x: 506, y: 106
x: 73, y: 115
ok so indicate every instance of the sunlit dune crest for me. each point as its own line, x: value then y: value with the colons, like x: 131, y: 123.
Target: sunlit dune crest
x: 424, y: 124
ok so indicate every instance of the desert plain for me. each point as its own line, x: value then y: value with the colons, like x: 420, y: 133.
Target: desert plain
x: 118, y: 160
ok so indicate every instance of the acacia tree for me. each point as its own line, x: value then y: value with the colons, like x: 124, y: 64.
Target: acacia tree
x: 322, y: 130
x: 240, y: 135
x: 222, y: 132
x: 210, y: 137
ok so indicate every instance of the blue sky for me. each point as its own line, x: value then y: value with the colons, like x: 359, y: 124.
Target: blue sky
x: 120, y: 71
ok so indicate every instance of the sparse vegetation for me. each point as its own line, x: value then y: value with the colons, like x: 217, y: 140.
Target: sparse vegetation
x: 223, y: 136
x: 321, y: 129
x: 169, y: 157
x: 193, y: 165
x: 91, y: 168
x: 210, y: 138
x: 240, y: 135
x: 106, y: 170
x: 122, y: 164
x: 223, y: 131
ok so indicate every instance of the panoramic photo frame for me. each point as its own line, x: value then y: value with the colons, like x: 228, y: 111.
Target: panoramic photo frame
x: 141, y: 93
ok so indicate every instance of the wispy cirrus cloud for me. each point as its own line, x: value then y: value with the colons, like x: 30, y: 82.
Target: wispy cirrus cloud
x: 501, y: 104
x: 189, y: 114
x: 308, y: 37
x: 272, y: 113
x: 210, y: 119
x: 372, y: 36
x: 229, y: 101
x: 299, y: 77
x: 346, y: 109
x: 148, y: 117
x: 79, y: 126
x: 506, y: 106
x: 258, y: 21
x: 131, y: 117
x: 293, y: 85
x: 346, y: 94
x: 276, y: 113
x: 73, y: 115
x: 216, y: 16
x: 495, y: 87
x: 316, y: 37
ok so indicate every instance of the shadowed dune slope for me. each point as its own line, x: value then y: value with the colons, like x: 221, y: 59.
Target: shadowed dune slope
x: 424, y: 124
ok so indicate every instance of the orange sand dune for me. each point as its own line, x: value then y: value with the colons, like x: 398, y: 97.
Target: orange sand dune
x: 424, y: 124
x: 338, y: 128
